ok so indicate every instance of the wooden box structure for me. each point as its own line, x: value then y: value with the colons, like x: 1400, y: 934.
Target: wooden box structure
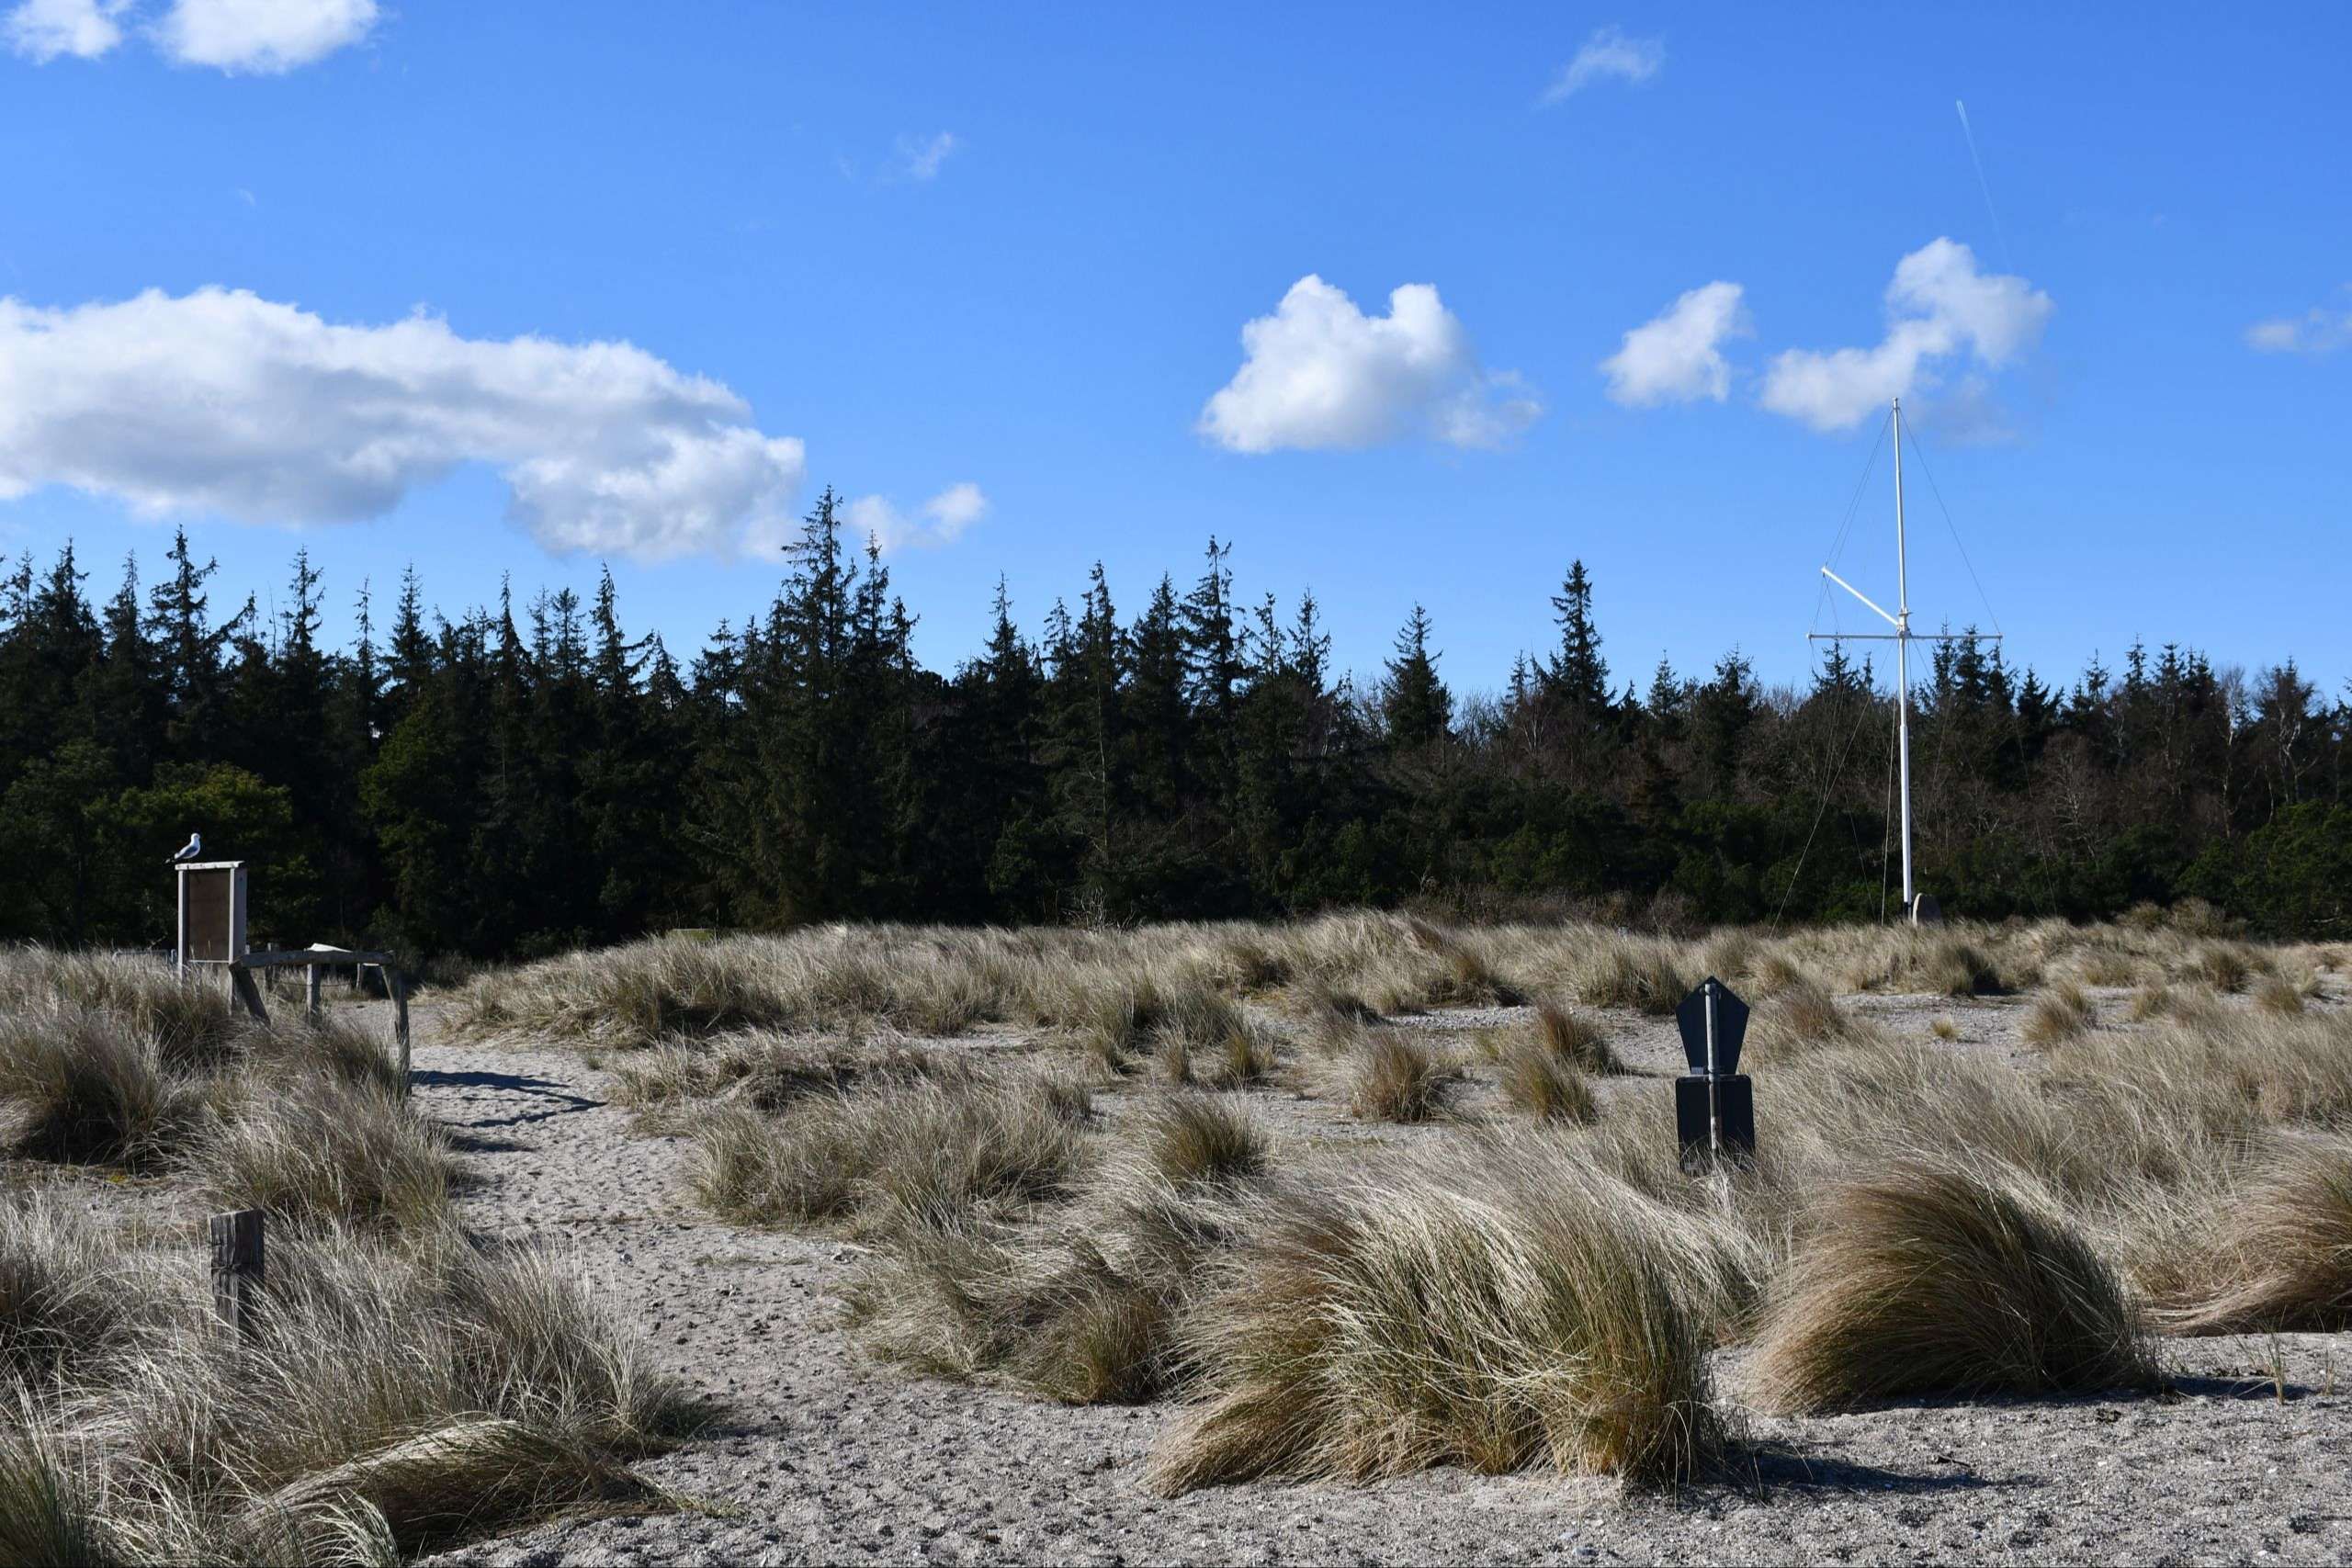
x: 213, y: 912
x: 212, y: 907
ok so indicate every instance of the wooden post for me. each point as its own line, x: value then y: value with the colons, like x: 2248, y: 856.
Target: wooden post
x: 310, y: 1006
x: 240, y: 979
x: 398, y: 983
x: 237, y: 1271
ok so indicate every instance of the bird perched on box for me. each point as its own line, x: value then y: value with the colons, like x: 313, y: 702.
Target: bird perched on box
x: 189, y: 850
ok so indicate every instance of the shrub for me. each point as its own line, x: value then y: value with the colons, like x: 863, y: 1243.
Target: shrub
x: 1932, y: 1280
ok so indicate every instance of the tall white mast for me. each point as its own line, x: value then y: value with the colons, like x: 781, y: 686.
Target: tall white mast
x: 1903, y: 655
x: 1903, y: 639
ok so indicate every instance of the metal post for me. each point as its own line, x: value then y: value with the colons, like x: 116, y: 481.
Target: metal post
x: 1902, y: 657
x: 311, y: 1006
x: 1715, y: 1109
x: 237, y: 1271
x: 397, y: 983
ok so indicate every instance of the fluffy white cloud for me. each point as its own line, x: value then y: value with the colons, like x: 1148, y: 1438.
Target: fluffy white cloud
x: 942, y: 519
x: 1939, y: 305
x: 920, y: 156
x: 224, y: 402
x: 40, y: 30
x: 1320, y: 373
x: 1608, y: 55
x: 1677, y: 358
x: 2317, y: 331
x: 262, y: 36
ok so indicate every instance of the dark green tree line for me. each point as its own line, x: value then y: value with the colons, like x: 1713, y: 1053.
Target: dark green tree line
x: 528, y: 777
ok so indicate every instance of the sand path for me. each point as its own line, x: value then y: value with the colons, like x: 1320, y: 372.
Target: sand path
x: 821, y: 1457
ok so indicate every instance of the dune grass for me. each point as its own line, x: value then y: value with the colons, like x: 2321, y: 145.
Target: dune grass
x: 2276, y: 1252
x: 1923, y: 1277
x: 2058, y: 1015
x: 1532, y: 1286
x: 1412, y: 1317
x: 878, y: 1160
x: 1393, y: 1077
x: 407, y: 1389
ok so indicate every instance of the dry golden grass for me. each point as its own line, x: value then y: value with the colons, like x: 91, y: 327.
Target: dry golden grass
x: 1393, y: 1077
x: 368, y: 1403
x: 1932, y: 1279
x: 2058, y: 1015
x: 878, y: 1159
x: 318, y: 1148
x: 406, y: 1391
x: 1574, y: 1039
x: 2279, y: 995
x: 1799, y: 1018
x: 1514, y: 1314
x: 1076, y: 1301
x: 1546, y: 1085
x: 1341, y: 1316
x: 2275, y: 1255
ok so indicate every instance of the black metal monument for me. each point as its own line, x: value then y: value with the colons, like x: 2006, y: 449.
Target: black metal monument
x: 1714, y: 1106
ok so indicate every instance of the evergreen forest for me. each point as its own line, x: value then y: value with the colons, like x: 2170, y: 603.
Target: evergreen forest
x: 524, y: 779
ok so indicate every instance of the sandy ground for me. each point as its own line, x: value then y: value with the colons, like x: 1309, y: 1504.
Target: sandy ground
x: 820, y: 1456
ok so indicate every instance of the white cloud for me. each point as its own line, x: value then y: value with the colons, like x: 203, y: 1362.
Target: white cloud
x: 1678, y: 355
x: 1608, y: 54
x: 1318, y: 373
x: 220, y: 402
x: 263, y: 36
x: 40, y: 30
x: 2317, y: 331
x: 1938, y: 306
x: 942, y: 519
x: 920, y: 156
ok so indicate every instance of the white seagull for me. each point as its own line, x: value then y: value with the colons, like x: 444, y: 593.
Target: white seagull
x: 189, y: 850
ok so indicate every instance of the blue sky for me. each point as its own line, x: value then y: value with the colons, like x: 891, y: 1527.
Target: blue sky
x: 984, y: 270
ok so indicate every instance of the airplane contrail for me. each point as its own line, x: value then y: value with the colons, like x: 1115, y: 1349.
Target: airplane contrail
x: 1983, y: 184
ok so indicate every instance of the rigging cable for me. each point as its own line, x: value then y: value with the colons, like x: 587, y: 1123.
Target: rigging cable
x: 1826, y: 790
x: 1836, y: 547
x: 1953, y: 529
